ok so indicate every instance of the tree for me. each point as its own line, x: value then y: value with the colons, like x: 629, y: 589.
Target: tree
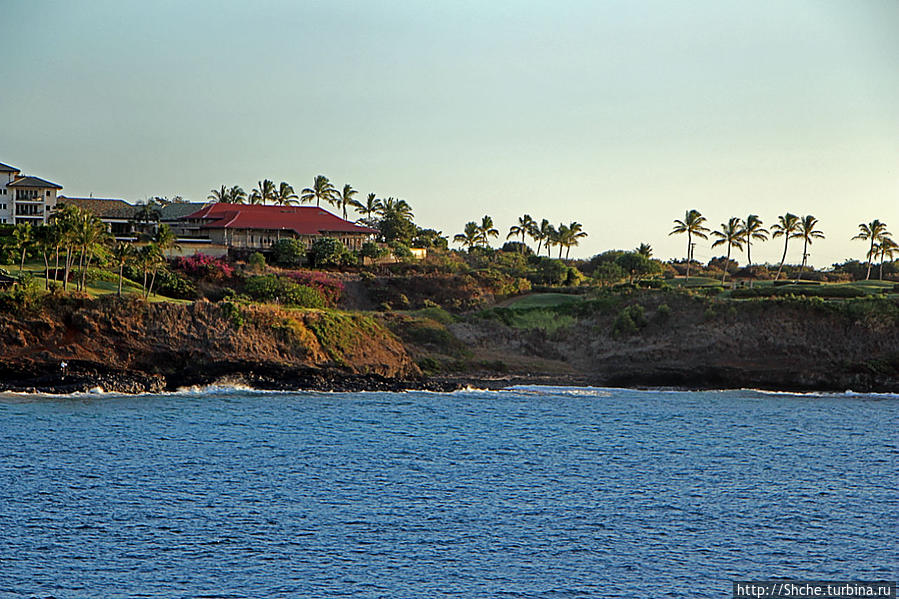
x: 691, y: 225
x: 346, y: 198
x: 552, y: 239
x: 487, y: 230
x: 236, y: 195
x: 787, y: 226
x: 634, y: 264
x: 148, y: 258
x: 46, y: 238
x: 524, y: 227
x: 541, y: 233
x: 807, y: 233
x: 122, y: 252
x: 288, y: 252
x: 608, y: 273
x: 429, y: 238
x: 371, y: 206
x: 263, y: 192
x: 752, y: 229
x: 888, y: 248
x: 326, y: 251
x: 874, y: 231
x: 285, y: 195
x: 219, y: 196
x: 64, y: 219
x: 21, y: 240
x: 371, y: 251
x: 321, y: 190
x: 90, y: 235
x: 147, y: 214
x: 571, y: 236
x: 470, y: 236
x: 395, y: 206
x: 731, y: 234
x: 644, y: 250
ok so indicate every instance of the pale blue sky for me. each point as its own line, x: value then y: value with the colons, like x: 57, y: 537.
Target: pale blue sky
x: 620, y: 115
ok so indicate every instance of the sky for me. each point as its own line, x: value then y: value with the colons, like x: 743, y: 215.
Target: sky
x: 620, y: 115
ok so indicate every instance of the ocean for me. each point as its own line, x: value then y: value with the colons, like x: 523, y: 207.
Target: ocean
x: 527, y: 492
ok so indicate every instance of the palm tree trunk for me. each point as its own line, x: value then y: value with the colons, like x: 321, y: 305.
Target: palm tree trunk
x: 65, y: 277
x: 782, y: 258
x: 152, y: 282
x: 80, y: 286
x: 539, y: 246
x: 121, y: 268
x: 748, y: 251
x: 567, y: 251
x: 882, y: 256
x: 870, y: 251
x: 726, y: 264
x: 804, y: 258
x: 689, y: 253
x: 47, y: 270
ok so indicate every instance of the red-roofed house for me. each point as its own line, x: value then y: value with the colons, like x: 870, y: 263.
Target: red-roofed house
x: 258, y: 227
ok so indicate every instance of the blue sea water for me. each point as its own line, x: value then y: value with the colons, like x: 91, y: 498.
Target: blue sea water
x: 526, y: 492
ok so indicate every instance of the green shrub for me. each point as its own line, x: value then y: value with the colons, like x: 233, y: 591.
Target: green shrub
x: 271, y: 288
x: 289, y: 253
x: 629, y: 321
x: 327, y: 251
x: 256, y: 261
x: 663, y: 312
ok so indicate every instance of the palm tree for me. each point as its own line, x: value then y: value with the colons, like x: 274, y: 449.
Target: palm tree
x: 46, y: 239
x: 122, y: 251
x: 263, y: 192
x: 644, y: 250
x: 285, y: 195
x: 371, y: 206
x: 691, y: 225
x: 888, y: 249
x: 524, y: 227
x: 90, y: 235
x: 236, y: 195
x: 807, y: 232
x: 573, y: 232
x: 875, y: 231
x: 346, y: 198
x: 400, y: 208
x: 731, y: 234
x: 541, y: 234
x: 787, y: 226
x: 21, y: 239
x: 552, y: 239
x: 321, y: 190
x: 148, y: 258
x: 752, y: 229
x: 487, y: 230
x: 219, y: 196
x: 470, y: 237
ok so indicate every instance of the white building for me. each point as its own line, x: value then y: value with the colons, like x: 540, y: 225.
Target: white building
x: 25, y: 199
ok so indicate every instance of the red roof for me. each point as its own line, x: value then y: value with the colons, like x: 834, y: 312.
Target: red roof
x: 303, y: 220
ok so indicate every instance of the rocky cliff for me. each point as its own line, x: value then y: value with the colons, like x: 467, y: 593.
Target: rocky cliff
x: 129, y: 345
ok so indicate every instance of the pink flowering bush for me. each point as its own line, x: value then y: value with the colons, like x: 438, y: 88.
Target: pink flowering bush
x: 329, y: 287
x: 205, y: 266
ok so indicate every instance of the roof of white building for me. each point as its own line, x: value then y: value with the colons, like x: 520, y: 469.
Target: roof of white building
x: 33, y: 182
x: 5, y: 168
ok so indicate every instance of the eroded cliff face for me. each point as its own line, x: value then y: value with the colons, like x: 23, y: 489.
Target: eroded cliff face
x: 129, y: 345
x: 701, y: 343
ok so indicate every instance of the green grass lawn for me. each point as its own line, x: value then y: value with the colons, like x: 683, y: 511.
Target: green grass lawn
x: 544, y: 300
x: 694, y: 282
x: 93, y: 288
